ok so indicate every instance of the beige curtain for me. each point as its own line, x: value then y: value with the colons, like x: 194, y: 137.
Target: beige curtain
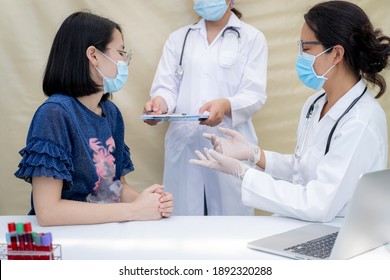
x: 27, y: 28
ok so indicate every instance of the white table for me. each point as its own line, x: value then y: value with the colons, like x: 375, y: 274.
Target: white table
x: 175, y: 238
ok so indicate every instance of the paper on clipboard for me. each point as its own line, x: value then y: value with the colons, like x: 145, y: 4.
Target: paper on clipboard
x: 174, y: 117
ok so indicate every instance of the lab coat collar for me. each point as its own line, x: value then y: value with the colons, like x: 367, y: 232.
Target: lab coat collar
x: 342, y: 104
x: 234, y: 21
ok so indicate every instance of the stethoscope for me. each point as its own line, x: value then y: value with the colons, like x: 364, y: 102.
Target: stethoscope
x: 302, y: 138
x: 179, y: 70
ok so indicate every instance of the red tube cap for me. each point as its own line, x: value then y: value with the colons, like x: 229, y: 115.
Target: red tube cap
x: 27, y: 227
x: 11, y: 227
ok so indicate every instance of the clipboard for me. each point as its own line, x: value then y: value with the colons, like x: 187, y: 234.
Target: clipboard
x: 174, y: 117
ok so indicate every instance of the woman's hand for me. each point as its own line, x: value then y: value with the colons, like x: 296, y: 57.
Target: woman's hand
x: 147, y: 204
x: 166, y: 206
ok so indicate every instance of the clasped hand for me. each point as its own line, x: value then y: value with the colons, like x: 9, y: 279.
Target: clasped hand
x: 155, y: 203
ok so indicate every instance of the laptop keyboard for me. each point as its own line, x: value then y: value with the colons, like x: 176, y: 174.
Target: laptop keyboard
x: 318, y: 248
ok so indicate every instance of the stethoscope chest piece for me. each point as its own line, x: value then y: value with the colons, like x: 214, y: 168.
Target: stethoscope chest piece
x: 179, y: 72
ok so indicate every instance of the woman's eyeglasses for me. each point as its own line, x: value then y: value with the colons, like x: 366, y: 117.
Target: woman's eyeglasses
x: 126, y: 55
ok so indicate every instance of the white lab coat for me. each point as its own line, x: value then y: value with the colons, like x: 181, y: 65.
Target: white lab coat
x: 319, y: 187
x: 204, y: 80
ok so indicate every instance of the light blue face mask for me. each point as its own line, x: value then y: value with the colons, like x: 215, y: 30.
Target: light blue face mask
x: 306, y: 72
x: 111, y: 85
x: 211, y: 10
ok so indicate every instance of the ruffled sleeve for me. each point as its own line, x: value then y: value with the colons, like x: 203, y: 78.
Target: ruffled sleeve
x: 127, y: 164
x: 43, y: 157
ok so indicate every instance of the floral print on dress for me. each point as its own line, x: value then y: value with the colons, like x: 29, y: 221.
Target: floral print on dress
x: 106, y: 190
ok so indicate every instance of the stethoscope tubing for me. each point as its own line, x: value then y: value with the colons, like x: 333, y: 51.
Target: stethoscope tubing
x: 308, y: 117
x: 180, y: 67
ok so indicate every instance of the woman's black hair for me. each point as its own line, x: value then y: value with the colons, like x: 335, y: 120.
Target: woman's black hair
x: 67, y: 70
x: 343, y: 23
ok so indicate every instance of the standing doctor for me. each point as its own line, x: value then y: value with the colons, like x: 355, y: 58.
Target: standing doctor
x: 342, y: 132
x: 217, y: 65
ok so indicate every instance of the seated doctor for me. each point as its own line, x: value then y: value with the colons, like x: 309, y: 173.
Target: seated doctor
x: 342, y: 131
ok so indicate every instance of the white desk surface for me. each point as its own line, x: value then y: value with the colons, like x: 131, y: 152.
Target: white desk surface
x: 175, y: 238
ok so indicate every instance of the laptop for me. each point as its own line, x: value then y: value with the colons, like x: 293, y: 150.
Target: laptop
x: 366, y: 226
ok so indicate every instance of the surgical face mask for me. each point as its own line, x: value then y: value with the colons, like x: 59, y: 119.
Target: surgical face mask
x: 111, y: 85
x: 306, y: 72
x: 211, y: 10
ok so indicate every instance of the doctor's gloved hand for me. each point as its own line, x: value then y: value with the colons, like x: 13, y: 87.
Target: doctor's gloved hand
x: 236, y: 147
x: 221, y: 163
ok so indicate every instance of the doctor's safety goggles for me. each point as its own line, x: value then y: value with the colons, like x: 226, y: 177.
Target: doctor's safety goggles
x: 302, y: 43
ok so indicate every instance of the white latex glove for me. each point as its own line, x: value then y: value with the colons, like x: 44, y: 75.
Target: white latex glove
x: 236, y: 147
x: 221, y: 163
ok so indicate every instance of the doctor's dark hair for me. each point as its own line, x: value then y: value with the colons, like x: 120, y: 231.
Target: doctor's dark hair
x: 343, y: 23
x: 67, y: 70
x: 237, y: 13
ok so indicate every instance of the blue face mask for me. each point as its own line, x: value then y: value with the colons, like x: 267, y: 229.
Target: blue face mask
x: 211, y: 10
x: 306, y: 73
x: 111, y: 85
